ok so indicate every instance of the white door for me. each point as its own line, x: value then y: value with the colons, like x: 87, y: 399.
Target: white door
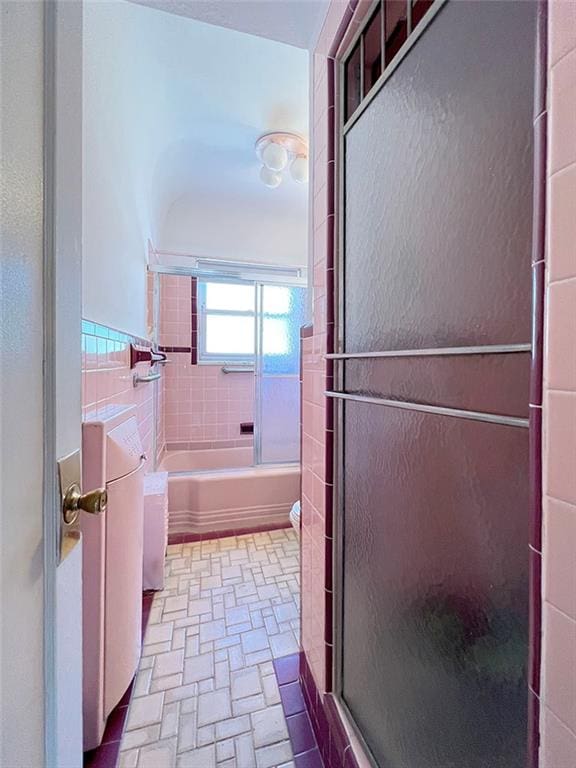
x: 40, y: 379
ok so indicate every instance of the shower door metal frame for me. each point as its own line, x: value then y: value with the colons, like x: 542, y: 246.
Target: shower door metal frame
x: 334, y: 397
x: 257, y: 283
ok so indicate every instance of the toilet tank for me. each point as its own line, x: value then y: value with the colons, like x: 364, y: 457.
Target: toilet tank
x: 112, y: 456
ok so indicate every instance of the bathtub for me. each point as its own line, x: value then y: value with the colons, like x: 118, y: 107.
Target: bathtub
x: 208, y: 500
x: 211, y: 458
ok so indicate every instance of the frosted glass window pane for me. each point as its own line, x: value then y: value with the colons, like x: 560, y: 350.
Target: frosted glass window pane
x: 276, y: 300
x: 280, y: 419
x: 227, y: 335
x: 229, y: 296
x: 275, y: 337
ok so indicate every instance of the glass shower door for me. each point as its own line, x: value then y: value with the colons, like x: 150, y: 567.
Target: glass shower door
x: 281, y: 310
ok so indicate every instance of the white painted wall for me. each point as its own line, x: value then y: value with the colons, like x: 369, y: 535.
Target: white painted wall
x: 172, y: 108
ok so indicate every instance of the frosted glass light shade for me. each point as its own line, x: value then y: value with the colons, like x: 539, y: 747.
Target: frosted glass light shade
x: 275, y: 157
x: 299, y: 170
x: 269, y: 177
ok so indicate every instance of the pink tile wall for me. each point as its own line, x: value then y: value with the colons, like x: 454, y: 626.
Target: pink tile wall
x: 317, y: 374
x: 107, y: 379
x: 201, y: 405
x: 558, y: 691
x: 175, y: 311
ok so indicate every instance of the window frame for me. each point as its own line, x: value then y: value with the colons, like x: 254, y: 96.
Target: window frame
x: 211, y: 358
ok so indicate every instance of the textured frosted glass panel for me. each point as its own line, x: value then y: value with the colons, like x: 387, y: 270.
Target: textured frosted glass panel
x: 278, y: 429
x: 439, y: 188
x: 496, y: 384
x: 435, y: 588
x: 283, y: 314
x: 280, y: 419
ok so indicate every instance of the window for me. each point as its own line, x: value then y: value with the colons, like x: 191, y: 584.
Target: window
x: 228, y: 321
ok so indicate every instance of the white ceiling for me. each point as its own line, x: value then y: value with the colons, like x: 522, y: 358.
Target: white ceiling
x: 173, y: 108
x: 296, y: 22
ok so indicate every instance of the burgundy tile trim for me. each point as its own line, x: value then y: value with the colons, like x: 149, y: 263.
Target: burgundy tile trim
x: 537, y: 360
x: 328, y: 659
x: 292, y: 699
x: 115, y: 724
x: 297, y: 711
x: 194, y: 321
x: 163, y: 348
x: 535, y: 470
x: 328, y: 509
x: 106, y: 755
x: 311, y: 759
x: 328, y: 552
x: 535, y: 627
x: 329, y: 730
x: 533, y: 730
x: 349, y: 758
x: 330, y: 75
x: 328, y: 618
x: 306, y: 331
x: 186, y: 538
x: 287, y: 669
x: 301, y: 733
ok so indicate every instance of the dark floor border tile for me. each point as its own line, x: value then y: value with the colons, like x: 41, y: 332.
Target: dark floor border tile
x: 297, y: 713
x: 187, y: 538
x: 106, y: 755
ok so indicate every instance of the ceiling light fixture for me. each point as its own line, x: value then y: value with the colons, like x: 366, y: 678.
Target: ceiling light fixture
x: 277, y: 151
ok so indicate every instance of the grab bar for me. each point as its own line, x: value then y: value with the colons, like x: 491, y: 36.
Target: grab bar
x: 137, y: 379
x: 237, y: 369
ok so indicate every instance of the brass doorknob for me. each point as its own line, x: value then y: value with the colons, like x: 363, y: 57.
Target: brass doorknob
x: 93, y: 502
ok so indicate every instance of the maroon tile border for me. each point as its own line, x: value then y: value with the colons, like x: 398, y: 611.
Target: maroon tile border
x: 106, y: 755
x: 333, y: 742
x: 298, y: 720
x: 186, y: 538
x: 535, y: 631
x: 536, y: 386
x: 194, y: 322
x: 533, y: 730
x: 164, y: 348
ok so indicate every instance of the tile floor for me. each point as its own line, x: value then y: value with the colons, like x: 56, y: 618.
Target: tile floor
x: 206, y: 694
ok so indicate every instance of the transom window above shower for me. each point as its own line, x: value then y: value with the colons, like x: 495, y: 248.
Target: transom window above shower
x: 230, y: 319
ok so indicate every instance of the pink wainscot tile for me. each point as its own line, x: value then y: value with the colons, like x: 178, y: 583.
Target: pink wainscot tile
x: 560, y: 446
x: 560, y: 555
x: 562, y: 232
x: 562, y: 29
x: 559, y: 680
x: 563, y: 112
x: 558, y: 747
x: 561, y: 359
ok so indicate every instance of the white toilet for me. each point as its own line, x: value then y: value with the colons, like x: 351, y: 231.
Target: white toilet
x: 295, y: 517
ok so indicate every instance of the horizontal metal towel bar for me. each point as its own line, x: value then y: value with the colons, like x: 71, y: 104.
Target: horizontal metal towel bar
x: 145, y: 379
x: 510, y: 421
x: 488, y: 349
x: 237, y: 369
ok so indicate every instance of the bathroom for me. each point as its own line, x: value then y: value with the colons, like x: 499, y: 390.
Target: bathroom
x: 288, y: 292
x: 196, y: 343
